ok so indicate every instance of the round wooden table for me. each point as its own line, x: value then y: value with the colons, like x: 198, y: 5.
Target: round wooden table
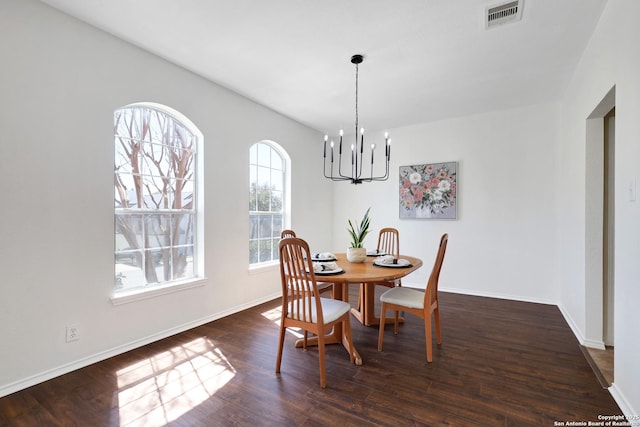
x: 367, y: 275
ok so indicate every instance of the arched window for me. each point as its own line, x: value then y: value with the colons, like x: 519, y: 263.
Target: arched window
x: 156, y: 151
x: 268, y: 200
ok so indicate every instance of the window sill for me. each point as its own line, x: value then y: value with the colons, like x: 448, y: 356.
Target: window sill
x: 142, y: 294
x: 264, y: 267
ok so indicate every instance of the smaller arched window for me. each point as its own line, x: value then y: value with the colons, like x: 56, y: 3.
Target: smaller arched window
x: 268, y: 200
x: 156, y: 201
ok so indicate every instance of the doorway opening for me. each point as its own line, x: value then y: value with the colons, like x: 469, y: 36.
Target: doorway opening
x: 599, y: 238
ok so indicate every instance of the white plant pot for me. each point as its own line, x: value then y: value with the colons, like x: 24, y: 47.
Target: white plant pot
x: 356, y: 254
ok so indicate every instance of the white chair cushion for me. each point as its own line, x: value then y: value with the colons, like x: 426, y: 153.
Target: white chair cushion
x: 408, y: 297
x: 332, y: 309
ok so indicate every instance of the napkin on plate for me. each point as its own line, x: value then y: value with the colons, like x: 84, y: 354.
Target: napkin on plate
x: 320, y: 267
x: 389, y: 259
x: 324, y: 255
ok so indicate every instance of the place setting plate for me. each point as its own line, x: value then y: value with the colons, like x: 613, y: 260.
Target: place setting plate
x: 329, y: 272
x: 329, y: 269
x: 323, y: 257
x: 400, y: 263
x: 376, y: 253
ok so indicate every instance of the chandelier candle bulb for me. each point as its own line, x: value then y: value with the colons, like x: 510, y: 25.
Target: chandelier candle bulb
x: 331, y: 151
x: 325, y: 146
x: 373, y: 146
x: 386, y: 144
x: 340, y: 149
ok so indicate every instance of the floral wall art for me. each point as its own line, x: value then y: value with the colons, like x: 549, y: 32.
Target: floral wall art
x: 428, y: 191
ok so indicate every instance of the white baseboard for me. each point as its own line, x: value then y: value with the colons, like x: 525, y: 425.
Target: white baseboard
x: 599, y: 345
x: 7, y: 389
x: 574, y: 328
x: 497, y: 295
x: 623, y: 403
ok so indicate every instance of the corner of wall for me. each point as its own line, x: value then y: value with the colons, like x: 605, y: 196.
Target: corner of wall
x: 572, y: 324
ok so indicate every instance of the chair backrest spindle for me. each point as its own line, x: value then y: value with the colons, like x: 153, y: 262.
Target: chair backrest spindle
x: 389, y: 241
x: 431, y: 294
x: 287, y: 233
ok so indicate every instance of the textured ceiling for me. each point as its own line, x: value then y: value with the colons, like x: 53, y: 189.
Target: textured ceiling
x: 425, y: 60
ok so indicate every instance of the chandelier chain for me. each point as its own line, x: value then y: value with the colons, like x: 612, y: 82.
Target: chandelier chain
x: 356, y: 99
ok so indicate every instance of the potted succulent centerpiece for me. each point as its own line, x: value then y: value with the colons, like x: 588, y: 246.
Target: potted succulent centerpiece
x: 356, y: 253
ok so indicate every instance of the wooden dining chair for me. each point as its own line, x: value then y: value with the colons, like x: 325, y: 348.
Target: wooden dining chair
x: 388, y: 244
x: 302, y: 306
x: 287, y: 233
x: 389, y: 241
x: 414, y: 301
x: 322, y: 286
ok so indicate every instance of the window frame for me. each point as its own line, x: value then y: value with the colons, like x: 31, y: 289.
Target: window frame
x: 286, y: 198
x: 197, y: 278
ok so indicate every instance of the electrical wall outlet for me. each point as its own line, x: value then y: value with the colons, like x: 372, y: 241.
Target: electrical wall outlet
x: 73, y: 333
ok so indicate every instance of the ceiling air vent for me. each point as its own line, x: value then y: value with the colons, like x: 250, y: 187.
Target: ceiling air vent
x: 503, y: 13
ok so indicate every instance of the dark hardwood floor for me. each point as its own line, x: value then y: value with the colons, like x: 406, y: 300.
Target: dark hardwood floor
x: 502, y: 363
x: 601, y: 361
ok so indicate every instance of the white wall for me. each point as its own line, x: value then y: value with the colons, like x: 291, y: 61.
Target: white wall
x: 60, y: 81
x: 612, y: 58
x: 503, y: 242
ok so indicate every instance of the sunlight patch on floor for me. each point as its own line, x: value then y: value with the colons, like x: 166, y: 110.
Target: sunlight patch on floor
x: 160, y: 389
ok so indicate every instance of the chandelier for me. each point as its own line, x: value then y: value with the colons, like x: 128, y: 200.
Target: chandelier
x: 357, y: 151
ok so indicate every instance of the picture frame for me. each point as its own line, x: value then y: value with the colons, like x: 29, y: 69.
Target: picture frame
x: 428, y: 191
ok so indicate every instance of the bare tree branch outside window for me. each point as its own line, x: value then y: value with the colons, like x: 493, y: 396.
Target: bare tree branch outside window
x: 154, y: 198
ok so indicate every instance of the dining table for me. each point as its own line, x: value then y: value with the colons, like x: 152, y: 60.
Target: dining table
x: 365, y: 274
